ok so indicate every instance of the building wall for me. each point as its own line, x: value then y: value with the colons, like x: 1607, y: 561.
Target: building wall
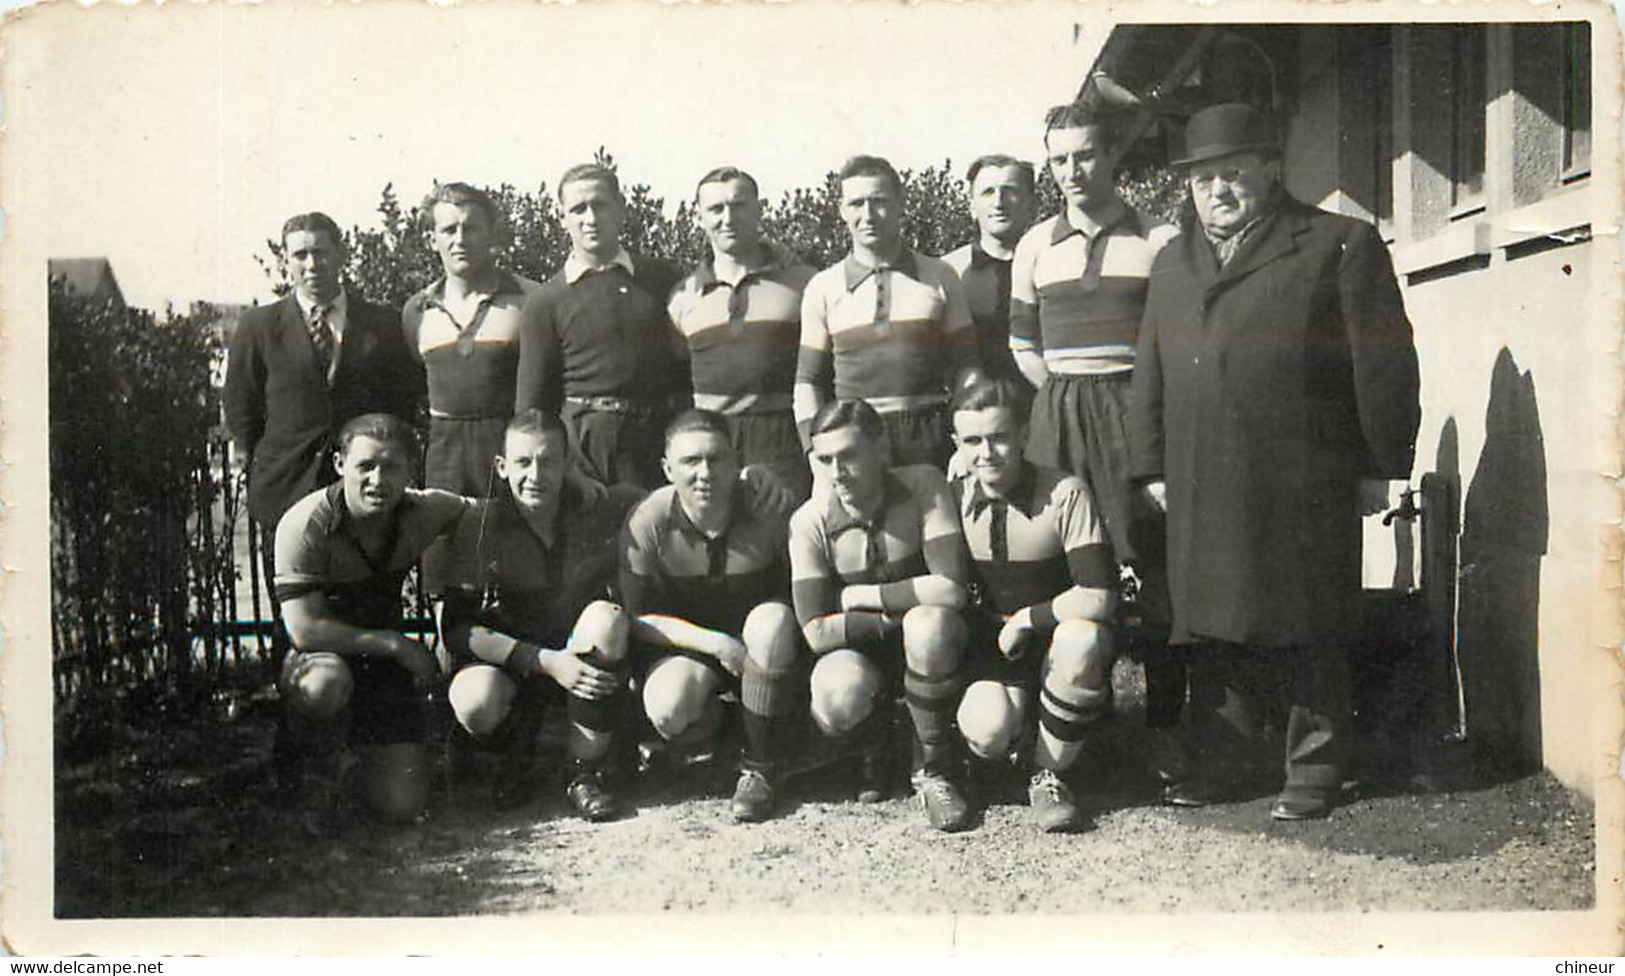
x: 1518, y: 366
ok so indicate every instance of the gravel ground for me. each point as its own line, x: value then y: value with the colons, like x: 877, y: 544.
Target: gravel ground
x: 177, y: 822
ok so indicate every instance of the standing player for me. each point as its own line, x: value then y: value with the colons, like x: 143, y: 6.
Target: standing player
x: 342, y: 553
x: 596, y: 347
x: 524, y: 617
x: 1077, y: 294
x: 1002, y: 200
x: 878, y: 571
x: 886, y: 325
x: 740, y: 313
x: 703, y: 572
x: 1048, y: 585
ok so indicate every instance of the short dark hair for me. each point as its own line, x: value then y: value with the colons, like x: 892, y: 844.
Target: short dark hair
x: 871, y: 166
x: 385, y: 428
x: 313, y: 222
x: 982, y: 392
x: 695, y: 419
x: 535, y: 421
x: 1002, y: 161
x: 461, y: 195
x: 727, y: 174
x: 837, y: 414
x: 1079, y: 115
x: 581, y: 172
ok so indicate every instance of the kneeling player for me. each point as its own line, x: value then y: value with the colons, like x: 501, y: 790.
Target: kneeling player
x: 703, y: 572
x: 878, y: 570
x: 342, y: 553
x: 523, y: 620
x: 1046, y: 578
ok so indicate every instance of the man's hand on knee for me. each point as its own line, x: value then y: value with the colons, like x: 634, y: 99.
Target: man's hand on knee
x: 578, y: 677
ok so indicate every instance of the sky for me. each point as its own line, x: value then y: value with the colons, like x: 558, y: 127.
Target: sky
x: 181, y: 137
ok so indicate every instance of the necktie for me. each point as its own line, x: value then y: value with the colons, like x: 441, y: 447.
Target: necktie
x: 998, y: 531
x: 321, y: 340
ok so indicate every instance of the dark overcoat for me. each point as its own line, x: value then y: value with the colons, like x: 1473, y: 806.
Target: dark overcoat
x: 284, y: 413
x: 1263, y: 392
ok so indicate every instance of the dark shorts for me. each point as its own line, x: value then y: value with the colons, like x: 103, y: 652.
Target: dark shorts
x: 645, y: 656
x: 983, y: 662
x: 770, y: 440
x: 617, y: 447
x: 918, y: 437
x: 385, y: 707
x: 1079, y: 425
x: 886, y: 654
x: 461, y: 454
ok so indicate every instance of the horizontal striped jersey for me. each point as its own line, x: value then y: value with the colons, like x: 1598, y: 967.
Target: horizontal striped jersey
x: 743, y: 336
x: 895, y: 336
x: 472, y: 365
x: 1076, y: 295
x: 317, y: 552
x: 670, y: 567
x: 915, y: 533
x: 1036, y: 542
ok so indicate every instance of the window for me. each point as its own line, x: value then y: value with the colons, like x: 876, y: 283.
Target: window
x: 1576, y: 102
x: 1466, y: 99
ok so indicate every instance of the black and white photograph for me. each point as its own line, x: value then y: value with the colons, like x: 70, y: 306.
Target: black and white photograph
x: 933, y: 478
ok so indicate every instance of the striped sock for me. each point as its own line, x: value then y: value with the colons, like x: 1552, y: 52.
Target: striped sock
x: 931, y: 703
x: 769, y: 697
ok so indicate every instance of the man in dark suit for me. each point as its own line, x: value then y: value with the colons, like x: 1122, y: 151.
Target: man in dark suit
x: 1275, y: 393
x: 300, y: 368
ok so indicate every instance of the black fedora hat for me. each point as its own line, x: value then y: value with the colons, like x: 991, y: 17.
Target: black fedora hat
x: 1224, y: 129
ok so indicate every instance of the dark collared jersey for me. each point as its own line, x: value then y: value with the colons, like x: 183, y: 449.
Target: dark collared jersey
x: 472, y: 365
x: 670, y: 567
x: 743, y: 338
x: 1041, y: 539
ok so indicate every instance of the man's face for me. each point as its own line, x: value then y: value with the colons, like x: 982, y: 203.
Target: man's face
x: 851, y: 463
x: 375, y: 474
x: 1001, y: 202
x: 314, y: 262
x: 990, y: 445
x: 1077, y: 161
x: 533, y: 466
x: 731, y: 216
x: 873, y: 212
x: 1231, y: 190
x: 702, y: 466
x: 593, y: 215
x: 464, y: 238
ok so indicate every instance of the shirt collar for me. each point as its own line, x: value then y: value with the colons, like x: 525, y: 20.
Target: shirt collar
x: 335, y: 308
x: 980, y: 258
x: 679, y: 518
x: 778, y: 258
x: 1118, y: 215
x: 576, y: 266
x: 507, y: 284
x: 837, y: 519
x: 857, y: 272
x: 1023, y: 496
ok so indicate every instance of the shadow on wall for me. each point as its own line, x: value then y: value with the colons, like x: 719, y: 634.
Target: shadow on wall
x: 1503, y: 537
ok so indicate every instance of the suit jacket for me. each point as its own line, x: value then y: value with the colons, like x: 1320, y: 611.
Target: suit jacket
x: 1263, y: 392
x: 285, y: 414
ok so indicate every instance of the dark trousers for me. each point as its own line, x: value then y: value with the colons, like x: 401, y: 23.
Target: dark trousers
x: 279, y: 633
x: 616, y: 447
x: 1238, y: 691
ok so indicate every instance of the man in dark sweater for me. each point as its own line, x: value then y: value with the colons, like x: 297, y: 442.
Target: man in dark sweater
x: 595, y: 344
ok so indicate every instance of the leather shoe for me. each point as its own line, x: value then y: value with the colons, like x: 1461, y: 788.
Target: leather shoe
x: 1300, y: 807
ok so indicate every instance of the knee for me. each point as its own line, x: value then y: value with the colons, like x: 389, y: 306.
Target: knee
x: 322, y: 688
x: 772, y: 635
x: 396, y: 782
x: 988, y: 720
x: 674, y: 704
x: 600, y: 632
x: 933, y: 640
x: 1081, y: 654
x: 481, y: 697
x: 843, y: 694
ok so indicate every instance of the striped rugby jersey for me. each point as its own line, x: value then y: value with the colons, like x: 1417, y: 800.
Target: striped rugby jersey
x: 895, y: 336
x: 743, y: 337
x: 670, y: 567
x: 1041, y: 539
x: 472, y: 366
x: 1077, y: 296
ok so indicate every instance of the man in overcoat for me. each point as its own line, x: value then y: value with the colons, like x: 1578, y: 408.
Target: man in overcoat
x: 1275, y: 392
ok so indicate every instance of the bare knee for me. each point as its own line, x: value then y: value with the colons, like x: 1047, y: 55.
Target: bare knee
x: 1080, y: 654
x: 933, y: 640
x: 772, y: 635
x: 844, y: 689
x: 600, y: 632
x: 675, y: 696
x: 321, y: 687
x: 989, y: 720
x: 481, y: 697
x: 395, y: 781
